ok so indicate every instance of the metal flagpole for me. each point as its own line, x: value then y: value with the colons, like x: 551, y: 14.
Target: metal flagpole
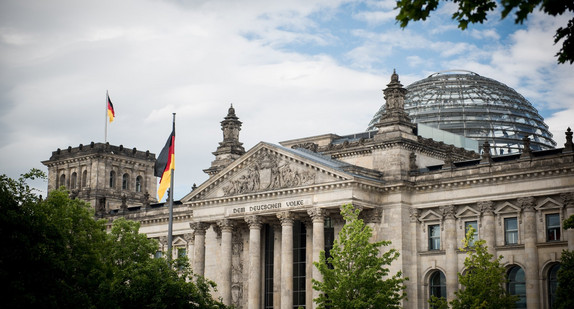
x: 170, y: 226
x: 106, y: 119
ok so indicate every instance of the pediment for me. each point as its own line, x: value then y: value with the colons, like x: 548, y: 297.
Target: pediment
x: 268, y: 167
x: 466, y: 212
x: 507, y: 207
x: 430, y: 215
x: 548, y: 203
x: 179, y: 241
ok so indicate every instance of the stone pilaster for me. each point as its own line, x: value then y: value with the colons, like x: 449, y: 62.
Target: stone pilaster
x: 568, y: 199
x: 254, y: 278
x: 487, y: 225
x: 531, y: 252
x: 410, y: 264
x: 450, y: 241
x: 226, y: 227
x: 286, y: 219
x: 199, y: 229
x: 318, y: 217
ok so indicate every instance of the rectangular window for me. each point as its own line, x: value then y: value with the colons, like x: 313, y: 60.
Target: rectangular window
x: 553, y: 227
x: 158, y: 254
x: 299, y: 265
x: 329, y: 238
x: 510, y: 231
x: 434, y: 237
x: 474, y: 225
x: 181, y: 252
x: 268, y: 267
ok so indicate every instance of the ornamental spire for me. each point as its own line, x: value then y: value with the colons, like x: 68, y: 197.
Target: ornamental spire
x: 230, y: 148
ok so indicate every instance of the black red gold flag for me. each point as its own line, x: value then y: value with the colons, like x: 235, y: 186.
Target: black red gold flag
x: 165, y: 163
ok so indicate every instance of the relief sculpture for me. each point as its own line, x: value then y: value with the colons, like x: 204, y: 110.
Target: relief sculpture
x: 268, y: 173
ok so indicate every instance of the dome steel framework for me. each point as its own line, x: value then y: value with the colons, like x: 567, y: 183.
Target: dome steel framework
x: 477, y: 107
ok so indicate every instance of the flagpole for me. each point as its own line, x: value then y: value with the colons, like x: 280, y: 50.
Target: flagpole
x: 170, y: 197
x: 106, y: 119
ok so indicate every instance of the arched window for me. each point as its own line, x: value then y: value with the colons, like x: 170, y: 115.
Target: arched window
x: 84, y: 178
x: 112, y: 179
x: 125, y: 181
x: 437, y: 284
x: 73, y: 180
x: 517, y: 285
x: 63, y: 180
x: 139, y: 180
x: 552, y: 285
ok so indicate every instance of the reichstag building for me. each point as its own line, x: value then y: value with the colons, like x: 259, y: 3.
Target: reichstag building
x: 449, y: 152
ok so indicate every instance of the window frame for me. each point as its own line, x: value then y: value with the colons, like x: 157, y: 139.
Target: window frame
x: 112, y: 182
x: 432, y: 239
x: 511, y: 285
x: 554, y: 229
x: 125, y: 181
x: 466, y: 225
x: 513, y: 231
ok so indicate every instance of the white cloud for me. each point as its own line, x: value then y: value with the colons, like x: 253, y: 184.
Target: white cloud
x: 194, y: 58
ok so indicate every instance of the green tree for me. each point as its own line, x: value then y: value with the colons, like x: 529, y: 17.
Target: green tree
x: 56, y: 255
x: 483, y: 284
x: 356, y: 276
x: 565, y: 288
x: 476, y: 11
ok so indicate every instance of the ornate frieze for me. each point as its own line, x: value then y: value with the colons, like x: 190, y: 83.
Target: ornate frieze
x: 268, y: 172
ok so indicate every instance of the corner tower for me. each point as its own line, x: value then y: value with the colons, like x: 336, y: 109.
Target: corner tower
x: 230, y: 148
x: 106, y: 176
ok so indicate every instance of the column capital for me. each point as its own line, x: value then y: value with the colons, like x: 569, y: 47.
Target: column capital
x: 568, y: 199
x: 371, y: 215
x: 286, y: 217
x: 226, y: 225
x: 447, y: 211
x: 486, y: 207
x: 414, y: 214
x: 317, y: 214
x: 199, y: 227
x: 253, y: 221
x: 526, y: 203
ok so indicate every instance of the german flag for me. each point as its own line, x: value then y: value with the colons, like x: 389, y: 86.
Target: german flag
x: 165, y: 163
x: 111, y: 113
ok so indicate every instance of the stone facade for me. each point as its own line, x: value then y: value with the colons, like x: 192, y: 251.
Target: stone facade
x: 261, y: 219
x: 110, y: 178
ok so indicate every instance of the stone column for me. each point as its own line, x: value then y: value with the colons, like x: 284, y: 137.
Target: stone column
x: 254, y: 278
x: 568, y: 199
x: 531, y: 252
x: 286, y: 219
x: 318, y: 217
x: 487, y: 225
x: 226, y: 227
x: 277, y: 264
x: 450, y: 241
x: 199, y: 229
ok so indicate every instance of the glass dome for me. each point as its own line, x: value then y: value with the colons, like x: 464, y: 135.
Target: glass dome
x: 476, y: 107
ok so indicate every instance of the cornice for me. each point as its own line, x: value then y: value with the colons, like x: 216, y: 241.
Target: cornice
x: 488, y: 179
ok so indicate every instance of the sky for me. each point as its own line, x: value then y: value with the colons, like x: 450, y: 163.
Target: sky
x: 291, y: 69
